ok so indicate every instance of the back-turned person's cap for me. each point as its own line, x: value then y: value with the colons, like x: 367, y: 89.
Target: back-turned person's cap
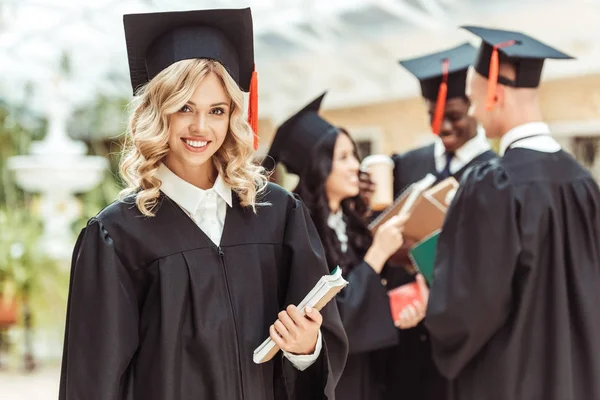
x: 525, y: 53
x: 157, y: 40
x: 442, y: 75
x: 298, y: 136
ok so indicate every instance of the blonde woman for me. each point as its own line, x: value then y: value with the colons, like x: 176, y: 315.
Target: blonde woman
x: 175, y: 284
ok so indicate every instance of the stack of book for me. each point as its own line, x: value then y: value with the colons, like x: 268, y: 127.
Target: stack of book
x: 425, y: 206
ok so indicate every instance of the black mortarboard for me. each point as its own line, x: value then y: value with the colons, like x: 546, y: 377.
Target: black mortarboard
x: 526, y: 54
x: 442, y: 75
x: 298, y: 136
x: 157, y: 40
x: 429, y: 70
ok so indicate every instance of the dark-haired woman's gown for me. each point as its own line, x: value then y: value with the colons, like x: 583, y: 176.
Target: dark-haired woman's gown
x: 365, y: 311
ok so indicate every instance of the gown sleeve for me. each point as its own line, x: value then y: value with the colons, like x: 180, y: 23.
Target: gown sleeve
x: 101, y: 334
x: 306, y: 265
x: 365, y: 310
x: 476, y: 258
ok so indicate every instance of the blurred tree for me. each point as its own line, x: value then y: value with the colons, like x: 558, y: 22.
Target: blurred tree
x: 38, y: 284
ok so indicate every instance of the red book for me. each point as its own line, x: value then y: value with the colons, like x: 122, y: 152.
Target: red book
x: 403, y: 296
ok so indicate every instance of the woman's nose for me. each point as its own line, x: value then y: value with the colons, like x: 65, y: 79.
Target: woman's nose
x: 200, y: 124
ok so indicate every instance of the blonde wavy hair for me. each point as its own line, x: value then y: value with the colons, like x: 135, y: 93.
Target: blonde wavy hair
x: 146, y: 143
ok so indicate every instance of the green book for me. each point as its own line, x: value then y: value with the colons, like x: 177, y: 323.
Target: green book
x: 423, y: 255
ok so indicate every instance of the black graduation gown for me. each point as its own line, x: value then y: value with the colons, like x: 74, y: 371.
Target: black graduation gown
x: 414, y: 165
x: 365, y: 310
x: 411, y: 372
x: 513, y: 312
x: 158, y: 312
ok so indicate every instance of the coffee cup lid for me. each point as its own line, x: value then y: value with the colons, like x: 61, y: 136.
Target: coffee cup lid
x: 376, y: 159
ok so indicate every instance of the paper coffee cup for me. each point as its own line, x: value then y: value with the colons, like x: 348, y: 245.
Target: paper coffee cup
x: 381, y: 169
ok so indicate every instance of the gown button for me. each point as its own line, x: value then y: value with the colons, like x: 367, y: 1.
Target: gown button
x: 384, y: 282
x: 423, y: 338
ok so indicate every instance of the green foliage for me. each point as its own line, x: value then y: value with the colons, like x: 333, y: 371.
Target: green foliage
x: 43, y: 281
x: 23, y: 264
x: 15, y: 139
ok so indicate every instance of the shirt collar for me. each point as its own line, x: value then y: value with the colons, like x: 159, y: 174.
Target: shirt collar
x: 468, y: 151
x: 522, y: 131
x: 337, y: 223
x: 187, y: 195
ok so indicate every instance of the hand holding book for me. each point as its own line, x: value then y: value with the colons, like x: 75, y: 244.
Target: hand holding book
x: 386, y: 241
x: 408, y: 303
x: 297, y: 332
x: 324, y: 290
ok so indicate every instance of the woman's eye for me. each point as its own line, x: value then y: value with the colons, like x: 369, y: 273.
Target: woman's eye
x: 217, y: 111
x: 185, y: 109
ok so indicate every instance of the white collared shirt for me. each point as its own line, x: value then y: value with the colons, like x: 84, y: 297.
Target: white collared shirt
x: 336, y: 222
x: 532, y: 136
x: 208, y: 208
x: 464, y: 155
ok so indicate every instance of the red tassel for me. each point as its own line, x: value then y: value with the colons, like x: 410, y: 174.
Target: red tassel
x: 493, y: 74
x: 492, y: 80
x: 440, y: 104
x: 253, y: 107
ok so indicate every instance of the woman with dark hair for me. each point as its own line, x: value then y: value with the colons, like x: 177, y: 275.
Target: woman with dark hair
x: 326, y: 160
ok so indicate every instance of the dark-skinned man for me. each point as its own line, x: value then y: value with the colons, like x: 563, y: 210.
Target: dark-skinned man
x: 459, y: 144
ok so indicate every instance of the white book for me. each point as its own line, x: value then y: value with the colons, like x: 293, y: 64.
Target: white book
x: 325, y: 290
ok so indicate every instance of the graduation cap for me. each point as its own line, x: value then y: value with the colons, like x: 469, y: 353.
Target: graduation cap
x: 442, y: 75
x: 526, y: 54
x: 298, y: 136
x: 157, y: 40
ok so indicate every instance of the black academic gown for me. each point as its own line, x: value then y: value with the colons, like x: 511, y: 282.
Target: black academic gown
x: 365, y: 310
x: 414, y: 165
x: 411, y: 372
x: 158, y: 312
x: 513, y: 312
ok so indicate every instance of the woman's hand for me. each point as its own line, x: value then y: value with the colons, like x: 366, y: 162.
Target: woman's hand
x: 413, y: 314
x: 296, y: 333
x: 387, y: 240
x: 367, y: 186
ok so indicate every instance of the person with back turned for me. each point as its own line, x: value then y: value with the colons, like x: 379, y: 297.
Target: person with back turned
x: 512, y: 312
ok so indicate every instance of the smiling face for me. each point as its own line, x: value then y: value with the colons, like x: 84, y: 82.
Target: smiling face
x: 457, y: 127
x: 342, y: 181
x: 199, y: 128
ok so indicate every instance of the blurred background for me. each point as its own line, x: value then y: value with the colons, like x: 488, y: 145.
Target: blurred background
x: 64, y: 87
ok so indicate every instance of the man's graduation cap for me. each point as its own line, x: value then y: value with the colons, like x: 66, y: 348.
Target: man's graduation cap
x: 526, y: 54
x: 157, y: 40
x: 298, y: 136
x: 442, y: 75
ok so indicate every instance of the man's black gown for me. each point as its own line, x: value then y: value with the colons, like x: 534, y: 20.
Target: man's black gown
x: 413, y: 165
x: 513, y: 312
x: 410, y: 372
x: 158, y: 312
